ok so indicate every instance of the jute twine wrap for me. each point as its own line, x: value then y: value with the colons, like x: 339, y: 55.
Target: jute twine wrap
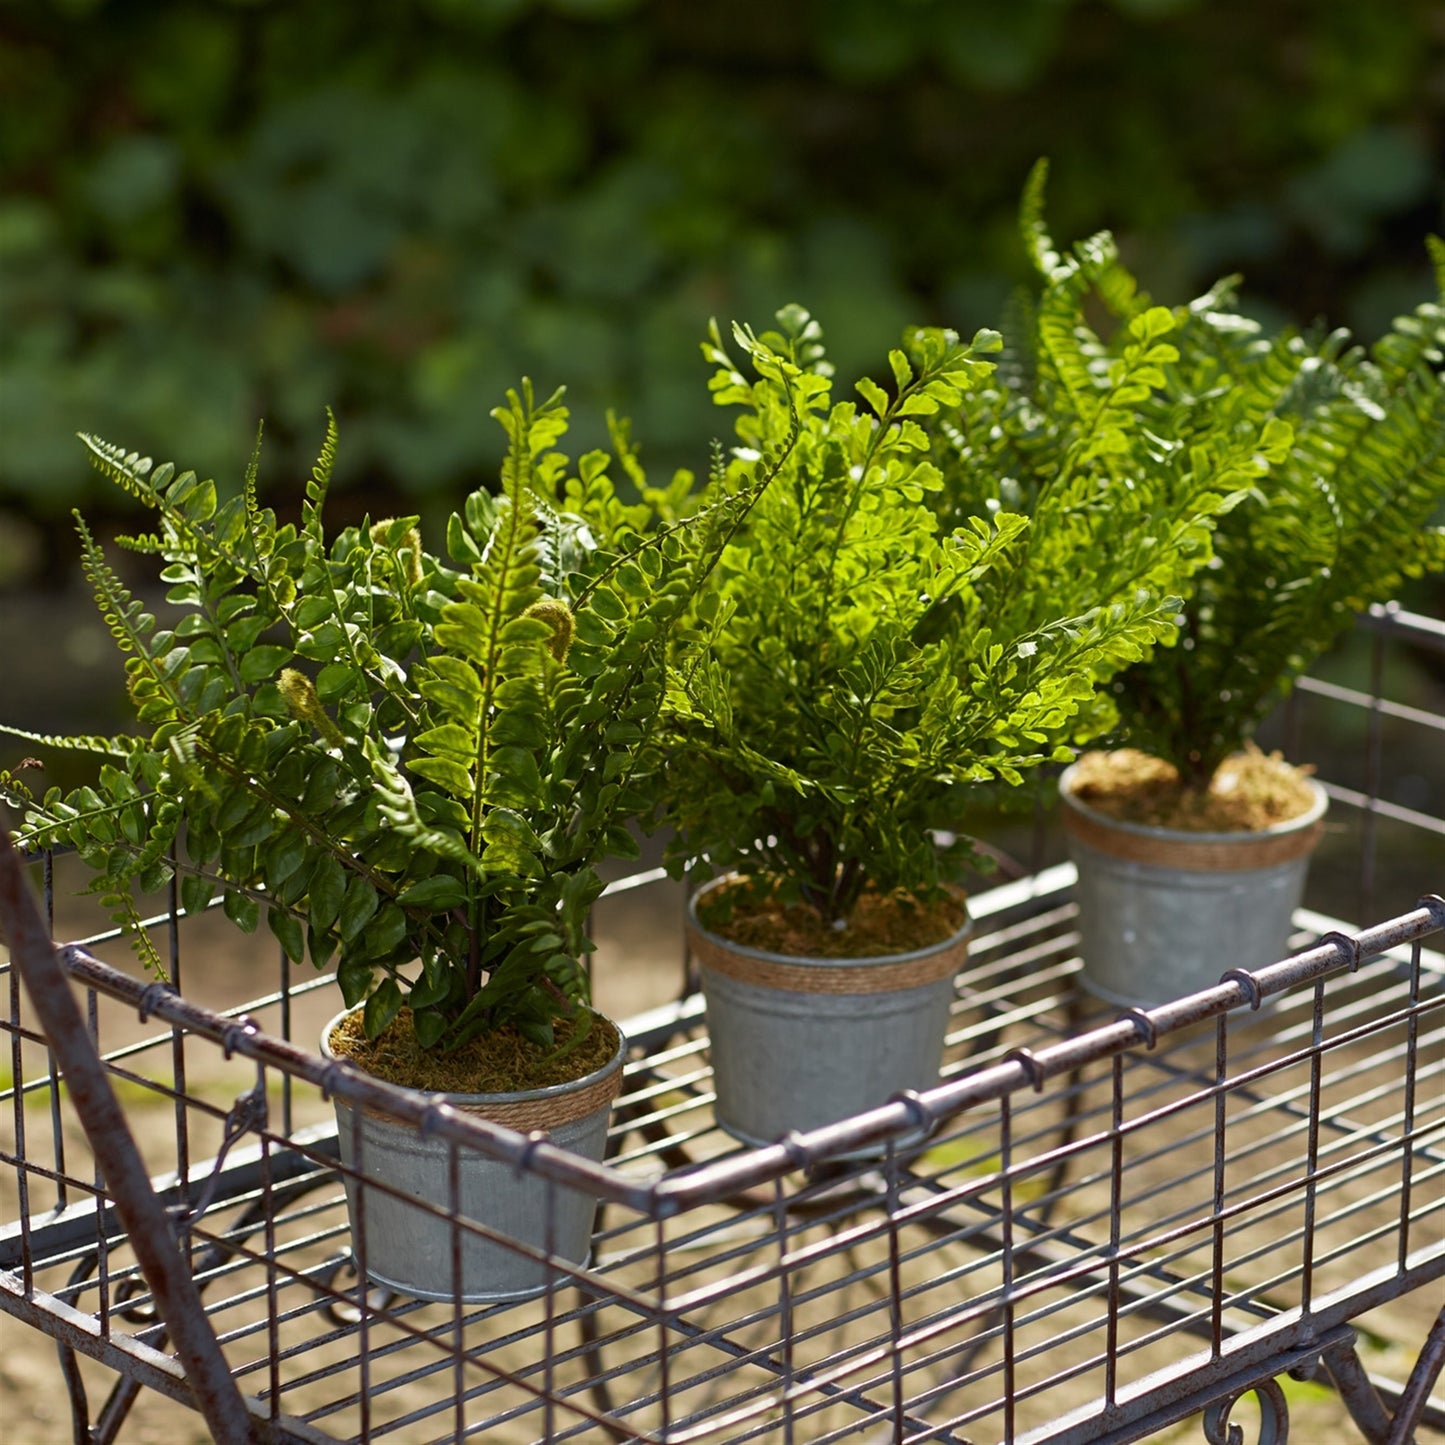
x: 885, y: 974
x: 524, y: 1115
x: 1202, y: 853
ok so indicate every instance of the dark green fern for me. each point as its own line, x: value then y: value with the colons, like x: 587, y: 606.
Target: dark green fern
x: 1336, y: 524
x: 1278, y: 485
x: 407, y: 763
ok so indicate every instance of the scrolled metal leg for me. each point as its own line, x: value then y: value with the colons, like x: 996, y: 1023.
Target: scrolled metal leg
x: 1421, y: 1382
x: 1273, y: 1416
x: 1357, y: 1390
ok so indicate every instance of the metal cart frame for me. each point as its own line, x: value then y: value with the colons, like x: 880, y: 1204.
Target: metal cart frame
x: 1096, y: 1226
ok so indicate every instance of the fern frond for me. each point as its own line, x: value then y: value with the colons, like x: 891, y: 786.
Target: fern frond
x: 399, y: 807
x: 130, y: 471
x: 124, y: 615
x: 14, y: 790
x: 319, y: 483
x: 1037, y: 242
x: 1435, y: 247
x: 116, y: 748
x: 128, y: 921
x: 260, y: 521
x: 145, y: 544
x: 1072, y: 353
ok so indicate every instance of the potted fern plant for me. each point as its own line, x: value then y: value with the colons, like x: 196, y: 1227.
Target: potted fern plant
x: 864, y: 660
x: 407, y: 764
x: 1192, y: 845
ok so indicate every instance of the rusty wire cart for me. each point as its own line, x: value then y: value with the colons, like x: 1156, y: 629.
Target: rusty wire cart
x: 1114, y: 1223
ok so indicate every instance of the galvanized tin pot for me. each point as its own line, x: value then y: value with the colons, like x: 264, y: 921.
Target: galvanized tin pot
x: 1164, y: 913
x: 409, y: 1250
x: 802, y: 1042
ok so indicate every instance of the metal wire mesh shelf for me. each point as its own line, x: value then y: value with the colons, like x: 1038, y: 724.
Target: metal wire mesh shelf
x: 1096, y: 1226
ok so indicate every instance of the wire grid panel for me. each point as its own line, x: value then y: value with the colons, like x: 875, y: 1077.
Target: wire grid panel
x: 1109, y: 1224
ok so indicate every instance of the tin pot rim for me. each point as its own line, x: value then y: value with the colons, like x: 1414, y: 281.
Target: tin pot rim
x: 810, y: 960
x: 1307, y: 819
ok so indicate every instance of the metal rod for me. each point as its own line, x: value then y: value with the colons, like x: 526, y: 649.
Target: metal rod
x: 1374, y: 745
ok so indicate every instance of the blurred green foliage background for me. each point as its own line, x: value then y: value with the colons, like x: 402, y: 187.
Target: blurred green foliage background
x: 213, y: 211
